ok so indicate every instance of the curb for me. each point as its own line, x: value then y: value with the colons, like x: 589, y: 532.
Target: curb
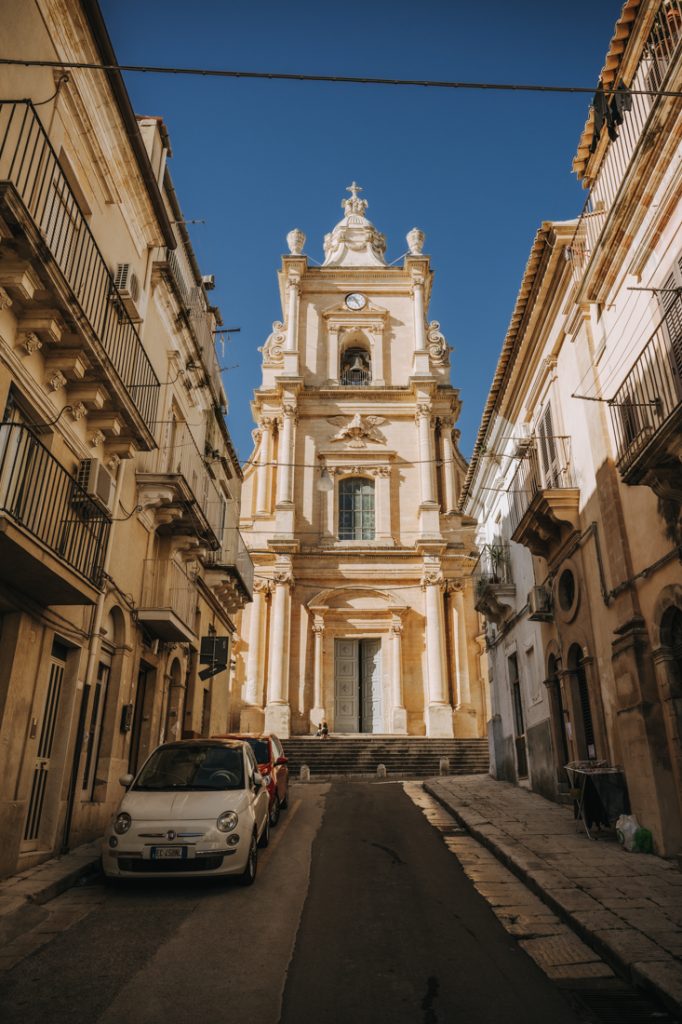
x: 640, y: 975
x: 22, y: 897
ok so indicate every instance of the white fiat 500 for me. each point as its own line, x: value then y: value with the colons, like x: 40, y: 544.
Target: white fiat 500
x: 197, y: 807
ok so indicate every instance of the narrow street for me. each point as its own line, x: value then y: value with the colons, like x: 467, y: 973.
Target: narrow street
x: 359, y: 913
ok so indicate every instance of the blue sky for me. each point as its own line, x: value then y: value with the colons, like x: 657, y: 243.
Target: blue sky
x: 477, y: 172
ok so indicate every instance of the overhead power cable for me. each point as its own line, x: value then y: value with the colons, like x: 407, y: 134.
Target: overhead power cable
x: 425, y: 83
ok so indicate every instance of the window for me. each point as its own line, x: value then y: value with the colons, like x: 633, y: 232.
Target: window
x: 356, y: 509
x: 671, y: 307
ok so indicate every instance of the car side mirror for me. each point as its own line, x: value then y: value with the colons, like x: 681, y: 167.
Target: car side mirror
x: 126, y: 780
x: 258, y: 779
x: 282, y: 760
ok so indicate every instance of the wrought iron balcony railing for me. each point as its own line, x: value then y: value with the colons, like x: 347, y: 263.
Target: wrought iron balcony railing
x: 29, y: 163
x: 646, y: 401
x: 169, y: 594
x: 41, y: 497
x: 234, y: 553
x: 356, y: 378
x: 658, y: 55
x: 182, y: 458
x: 536, y: 474
x: 493, y: 567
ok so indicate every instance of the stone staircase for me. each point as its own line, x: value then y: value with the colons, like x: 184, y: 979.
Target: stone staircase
x: 403, y: 756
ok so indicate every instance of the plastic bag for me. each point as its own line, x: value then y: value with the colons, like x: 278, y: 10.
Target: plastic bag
x: 644, y: 841
x: 626, y: 829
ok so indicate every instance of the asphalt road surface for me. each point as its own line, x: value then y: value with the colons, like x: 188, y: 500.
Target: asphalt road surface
x: 359, y: 914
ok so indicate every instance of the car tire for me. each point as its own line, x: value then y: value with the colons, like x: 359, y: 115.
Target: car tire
x: 265, y: 834
x: 274, y: 812
x: 248, y: 875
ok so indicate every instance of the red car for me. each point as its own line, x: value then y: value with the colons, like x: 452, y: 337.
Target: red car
x: 272, y: 761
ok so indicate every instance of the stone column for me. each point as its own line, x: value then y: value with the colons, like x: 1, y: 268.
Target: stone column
x: 398, y: 712
x: 285, y: 468
x: 277, y: 711
x: 333, y: 352
x: 285, y: 472
x: 383, y: 508
x: 251, y: 717
x: 264, y: 463
x: 317, y: 712
x: 378, y: 357
x: 291, y: 342
x: 429, y: 525
x: 465, y: 717
x: 438, y: 712
x: 448, y: 456
x: 420, y: 362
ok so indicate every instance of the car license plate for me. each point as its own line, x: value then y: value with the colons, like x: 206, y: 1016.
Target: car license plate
x: 169, y: 852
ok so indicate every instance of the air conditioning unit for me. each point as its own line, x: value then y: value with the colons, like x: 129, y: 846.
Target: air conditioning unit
x: 128, y: 287
x: 97, y: 483
x: 208, y: 281
x: 523, y: 436
x: 540, y: 605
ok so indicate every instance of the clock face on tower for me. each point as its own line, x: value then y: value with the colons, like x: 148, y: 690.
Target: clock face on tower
x: 356, y: 301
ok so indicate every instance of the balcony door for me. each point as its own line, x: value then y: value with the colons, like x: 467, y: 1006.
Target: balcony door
x: 43, y: 735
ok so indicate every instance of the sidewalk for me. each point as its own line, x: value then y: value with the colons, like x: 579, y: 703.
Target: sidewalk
x: 626, y: 906
x: 22, y: 896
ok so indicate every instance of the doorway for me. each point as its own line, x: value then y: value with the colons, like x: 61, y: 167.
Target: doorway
x: 357, y: 687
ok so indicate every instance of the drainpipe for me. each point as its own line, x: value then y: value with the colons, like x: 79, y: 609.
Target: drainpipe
x: 93, y: 650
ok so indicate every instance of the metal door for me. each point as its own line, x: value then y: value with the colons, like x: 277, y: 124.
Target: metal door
x: 346, y: 687
x: 46, y: 728
x: 370, y: 679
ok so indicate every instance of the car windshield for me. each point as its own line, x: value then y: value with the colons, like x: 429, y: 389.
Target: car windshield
x: 193, y: 768
x: 260, y: 749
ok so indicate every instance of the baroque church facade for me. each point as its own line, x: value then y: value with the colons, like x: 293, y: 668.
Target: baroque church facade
x: 362, y: 612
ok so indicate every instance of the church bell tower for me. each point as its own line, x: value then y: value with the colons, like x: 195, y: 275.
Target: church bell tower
x: 362, y: 613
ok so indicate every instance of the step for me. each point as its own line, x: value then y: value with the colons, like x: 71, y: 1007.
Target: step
x: 406, y: 756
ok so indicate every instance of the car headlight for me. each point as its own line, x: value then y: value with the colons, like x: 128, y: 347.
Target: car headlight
x: 227, y: 821
x: 122, y: 823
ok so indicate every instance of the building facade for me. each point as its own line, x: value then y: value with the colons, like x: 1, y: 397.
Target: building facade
x: 120, y: 557
x: 582, y: 434
x: 362, y: 613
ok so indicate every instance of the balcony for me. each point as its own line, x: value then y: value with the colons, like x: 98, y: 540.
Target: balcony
x: 230, y: 571
x: 199, y: 319
x: 56, y: 256
x: 53, y: 537
x: 494, y: 588
x: 169, y: 602
x: 544, y: 498
x: 355, y: 378
x: 607, y: 170
x: 175, y: 482
x: 646, y: 411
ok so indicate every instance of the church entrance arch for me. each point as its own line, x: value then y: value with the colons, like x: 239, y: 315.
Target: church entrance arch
x: 358, y: 704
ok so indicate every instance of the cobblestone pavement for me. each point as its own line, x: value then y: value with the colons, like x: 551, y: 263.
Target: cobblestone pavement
x: 626, y: 907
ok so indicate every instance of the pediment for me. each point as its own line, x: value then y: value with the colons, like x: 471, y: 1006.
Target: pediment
x: 341, y: 312
x: 354, y: 599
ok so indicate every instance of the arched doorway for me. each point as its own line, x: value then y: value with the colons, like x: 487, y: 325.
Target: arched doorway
x: 584, y: 722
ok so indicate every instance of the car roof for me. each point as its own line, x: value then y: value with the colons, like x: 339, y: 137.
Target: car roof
x: 247, y: 736
x: 214, y: 741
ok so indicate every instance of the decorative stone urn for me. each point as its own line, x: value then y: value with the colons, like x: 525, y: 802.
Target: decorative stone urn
x: 296, y: 241
x: 415, y: 240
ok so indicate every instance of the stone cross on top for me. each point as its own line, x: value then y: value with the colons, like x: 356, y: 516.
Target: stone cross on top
x: 354, y: 204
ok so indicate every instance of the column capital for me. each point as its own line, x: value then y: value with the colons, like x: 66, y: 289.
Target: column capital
x: 318, y: 625
x: 290, y: 411
x: 423, y: 411
x: 432, y: 578
x: 262, y: 587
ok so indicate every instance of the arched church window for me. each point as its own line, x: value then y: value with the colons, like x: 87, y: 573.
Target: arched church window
x: 356, y: 367
x: 356, y: 509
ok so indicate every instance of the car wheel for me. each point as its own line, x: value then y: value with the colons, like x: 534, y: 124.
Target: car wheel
x: 274, y: 812
x: 265, y: 834
x: 248, y: 875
